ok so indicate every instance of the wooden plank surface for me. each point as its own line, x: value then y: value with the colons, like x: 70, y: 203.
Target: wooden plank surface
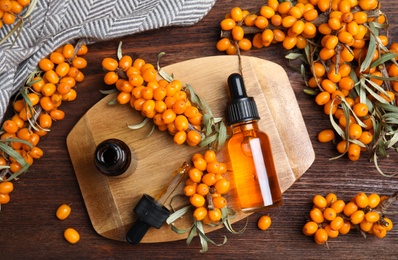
x: 110, y: 201
x: 30, y: 230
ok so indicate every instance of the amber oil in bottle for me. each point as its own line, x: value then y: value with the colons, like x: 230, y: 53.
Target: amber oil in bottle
x: 250, y: 152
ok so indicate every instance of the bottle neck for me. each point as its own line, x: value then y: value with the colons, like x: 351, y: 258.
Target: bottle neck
x: 247, y: 126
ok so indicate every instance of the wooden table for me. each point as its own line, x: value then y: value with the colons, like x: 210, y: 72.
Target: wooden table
x: 29, y: 229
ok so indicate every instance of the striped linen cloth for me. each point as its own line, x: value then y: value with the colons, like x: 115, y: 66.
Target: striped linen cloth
x: 54, y: 23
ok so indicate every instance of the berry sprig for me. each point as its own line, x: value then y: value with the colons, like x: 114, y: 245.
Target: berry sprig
x: 37, y: 106
x: 207, y: 188
x: 331, y: 217
x: 165, y: 101
x: 345, y: 58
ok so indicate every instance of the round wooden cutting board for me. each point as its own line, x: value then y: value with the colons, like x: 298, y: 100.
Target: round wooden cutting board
x: 110, y: 201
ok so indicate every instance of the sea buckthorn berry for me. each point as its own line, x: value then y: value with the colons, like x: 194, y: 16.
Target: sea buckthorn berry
x: 68, y: 51
x: 366, y: 138
x: 373, y: 200
x: 316, y: 215
x: 355, y: 131
x: 264, y: 222
x: 319, y: 201
x: 310, y: 228
x: 345, y: 229
x: 284, y: 8
x: 214, y: 214
x: 379, y: 230
x: 372, y: 216
x: 322, y: 98
x: 330, y: 198
x: 337, y: 223
x: 331, y: 232
x: 202, y: 189
x: 261, y: 22
x: 326, y: 135
x: 276, y: 20
x: 250, y: 19
x: 193, y: 138
x: 71, y: 235
x: 267, y: 37
x: 267, y: 11
x: 210, y: 156
x: 46, y: 64
x: 321, y: 236
x: 6, y: 187
x: 57, y: 57
x: 200, y: 213
x: 219, y: 202
x: 329, y: 214
x: 389, y: 225
x: 200, y: 164
x: 361, y: 199
x: 367, y: 5
x: 223, y: 44
x: 209, y: 179
x: 354, y: 152
x: 338, y: 206
x: 245, y: 44
x: 236, y: 14
x: 289, y: 42
x: 10, y: 126
x: 310, y: 15
x: 197, y: 200
x: 357, y: 217
x: 366, y: 225
x: 227, y: 24
x: 195, y: 175
x: 222, y: 186
x: 350, y: 208
x: 190, y: 189
x: 273, y: 4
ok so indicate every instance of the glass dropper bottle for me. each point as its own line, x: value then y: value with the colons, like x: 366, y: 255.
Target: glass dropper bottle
x: 250, y: 152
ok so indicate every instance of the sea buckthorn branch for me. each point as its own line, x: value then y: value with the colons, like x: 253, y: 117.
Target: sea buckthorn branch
x: 10, y: 10
x: 37, y: 106
x: 341, y: 50
x: 168, y: 103
x: 206, y: 187
x: 331, y: 216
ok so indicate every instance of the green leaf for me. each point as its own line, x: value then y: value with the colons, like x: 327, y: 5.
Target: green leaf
x: 371, y: 48
x: 140, y: 125
x: 119, y: 51
x: 177, y: 214
x: 384, y: 58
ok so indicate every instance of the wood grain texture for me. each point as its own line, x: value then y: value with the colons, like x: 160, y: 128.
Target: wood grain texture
x: 29, y: 229
x: 110, y: 201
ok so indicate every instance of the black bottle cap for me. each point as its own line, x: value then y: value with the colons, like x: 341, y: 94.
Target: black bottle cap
x: 241, y: 108
x: 150, y: 214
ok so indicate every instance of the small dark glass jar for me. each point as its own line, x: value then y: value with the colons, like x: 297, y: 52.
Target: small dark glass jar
x: 112, y: 157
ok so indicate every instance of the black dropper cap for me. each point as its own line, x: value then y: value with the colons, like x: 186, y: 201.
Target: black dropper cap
x: 150, y: 214
x: 241, y: 108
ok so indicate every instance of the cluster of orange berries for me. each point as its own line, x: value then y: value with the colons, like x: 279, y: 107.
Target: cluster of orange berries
x: 9, y: 9
x: 206, y: 187
x: 331, y: 216
x: 40, y: 106
x: 338, y: 35
x: 166, y: 103
x: 6, y: 187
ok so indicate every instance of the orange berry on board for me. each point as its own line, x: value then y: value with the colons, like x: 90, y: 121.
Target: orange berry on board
x: 227, y: 24
x: 219, y: 202
x: 200, y: 213
x: 71, y: 235
x: 222, y: 186
x: 264, y: 222
x: 197, y: 200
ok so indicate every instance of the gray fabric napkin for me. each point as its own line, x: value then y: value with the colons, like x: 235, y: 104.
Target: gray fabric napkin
x: 54, y: 23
